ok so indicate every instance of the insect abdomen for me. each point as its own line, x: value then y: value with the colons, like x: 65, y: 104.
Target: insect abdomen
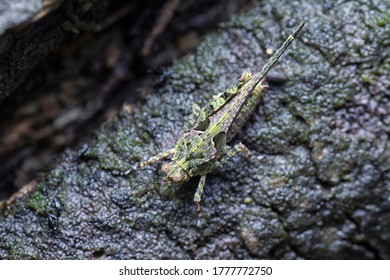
x: 245, y: 112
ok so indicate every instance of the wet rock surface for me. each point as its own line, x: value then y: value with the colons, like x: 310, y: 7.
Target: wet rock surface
x: 318, y: 185
x: 13, y: 13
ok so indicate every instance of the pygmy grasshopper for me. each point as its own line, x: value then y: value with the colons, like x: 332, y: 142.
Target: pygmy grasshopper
x: 203, y: 145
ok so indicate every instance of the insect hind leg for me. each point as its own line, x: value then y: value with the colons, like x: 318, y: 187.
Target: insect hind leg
x: 233, y: 151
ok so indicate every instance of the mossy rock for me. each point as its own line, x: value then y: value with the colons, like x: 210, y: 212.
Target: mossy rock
x: 318, y: 184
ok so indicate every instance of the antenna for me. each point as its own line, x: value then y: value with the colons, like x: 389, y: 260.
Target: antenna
x: 259, y: 76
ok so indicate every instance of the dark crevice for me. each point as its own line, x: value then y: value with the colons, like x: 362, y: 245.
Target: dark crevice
x: 99, y: 254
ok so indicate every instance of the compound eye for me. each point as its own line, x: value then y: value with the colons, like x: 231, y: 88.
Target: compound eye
x: 165, y: 167
x: 177, y: 177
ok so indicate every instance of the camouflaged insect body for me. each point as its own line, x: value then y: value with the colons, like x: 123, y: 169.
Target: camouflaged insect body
x: 203, y: 144
x: 199, y: 148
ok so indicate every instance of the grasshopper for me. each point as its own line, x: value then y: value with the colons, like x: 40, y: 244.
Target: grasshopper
x: 203, y: 145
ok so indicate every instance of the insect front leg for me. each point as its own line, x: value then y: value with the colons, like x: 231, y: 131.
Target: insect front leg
x: 199, y: 191
x: 158, y: 157
x: 151, y: 160
x: 233, y: 151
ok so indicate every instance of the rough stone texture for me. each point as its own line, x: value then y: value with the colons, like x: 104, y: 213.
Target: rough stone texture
x: 318, y: 185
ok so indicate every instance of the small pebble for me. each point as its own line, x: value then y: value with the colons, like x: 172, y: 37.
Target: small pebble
x: 269, y: 51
